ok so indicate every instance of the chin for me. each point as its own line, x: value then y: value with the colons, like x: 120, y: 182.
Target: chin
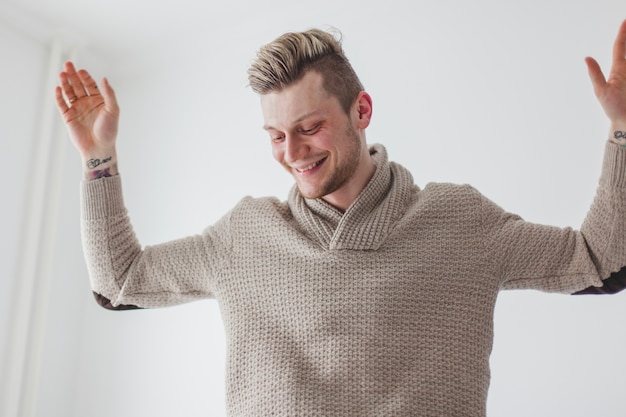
x: 309, y: 193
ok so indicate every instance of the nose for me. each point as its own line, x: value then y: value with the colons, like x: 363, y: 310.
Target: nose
x: 295, y: 148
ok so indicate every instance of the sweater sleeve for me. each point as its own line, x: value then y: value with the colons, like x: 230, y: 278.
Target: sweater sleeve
x: 531, y: 256
x: 125, y: 275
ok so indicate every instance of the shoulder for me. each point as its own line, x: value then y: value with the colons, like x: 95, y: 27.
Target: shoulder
x: 257, y: 208
x: 447, y: 192
x: 250, y: 216
x: 454, y: 201
x: 262, y: 203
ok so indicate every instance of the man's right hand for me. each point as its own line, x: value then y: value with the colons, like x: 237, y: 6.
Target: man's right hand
x: 91, y: 116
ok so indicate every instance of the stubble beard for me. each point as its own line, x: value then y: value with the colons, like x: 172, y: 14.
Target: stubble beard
x: 342, y: 173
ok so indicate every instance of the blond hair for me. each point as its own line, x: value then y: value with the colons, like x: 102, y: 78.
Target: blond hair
x: 289, y: 57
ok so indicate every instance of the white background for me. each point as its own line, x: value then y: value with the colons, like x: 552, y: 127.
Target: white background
x: 491, y: 93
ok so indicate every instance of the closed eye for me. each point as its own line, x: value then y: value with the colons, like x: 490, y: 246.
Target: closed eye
x: 311, y: 131
x: 277, y: 138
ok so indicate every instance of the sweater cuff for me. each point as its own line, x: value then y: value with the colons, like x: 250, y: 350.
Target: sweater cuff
x: 102, y: 198
x: 614, y: 166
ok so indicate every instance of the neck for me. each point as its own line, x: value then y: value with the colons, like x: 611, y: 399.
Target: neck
x: 343, y: 198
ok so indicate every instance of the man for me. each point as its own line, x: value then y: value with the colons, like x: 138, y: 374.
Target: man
x: 362, y: 294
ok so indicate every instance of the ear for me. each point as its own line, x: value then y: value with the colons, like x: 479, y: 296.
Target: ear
x: 363, y: 104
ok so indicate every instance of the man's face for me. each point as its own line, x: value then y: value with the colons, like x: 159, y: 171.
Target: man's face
x: 315, y: 140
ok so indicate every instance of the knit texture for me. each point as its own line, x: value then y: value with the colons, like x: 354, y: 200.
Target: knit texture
x: 384, y: 310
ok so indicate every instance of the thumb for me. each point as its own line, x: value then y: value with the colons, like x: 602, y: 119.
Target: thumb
x: 598, y: 80
x: 110, y: 101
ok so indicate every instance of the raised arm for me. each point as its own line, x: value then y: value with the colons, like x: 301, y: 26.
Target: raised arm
x: 91, y: 116
x: 611, y: 91
x: 124, y: 275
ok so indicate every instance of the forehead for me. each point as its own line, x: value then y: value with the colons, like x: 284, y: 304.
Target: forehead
x: 304, y: 98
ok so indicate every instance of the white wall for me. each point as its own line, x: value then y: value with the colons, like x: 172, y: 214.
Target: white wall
x: 43, y: 286
x: 18, y: 133
x: 490, y: 93
x: 14, y: 171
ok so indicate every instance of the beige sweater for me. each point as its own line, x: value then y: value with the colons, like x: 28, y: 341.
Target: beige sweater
x: 386, y: 310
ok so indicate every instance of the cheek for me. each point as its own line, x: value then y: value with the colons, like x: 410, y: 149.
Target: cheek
x: 277, y: 152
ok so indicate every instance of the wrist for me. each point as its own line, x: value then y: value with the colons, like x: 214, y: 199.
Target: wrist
x: 100, y: 164
x: 617, y: 133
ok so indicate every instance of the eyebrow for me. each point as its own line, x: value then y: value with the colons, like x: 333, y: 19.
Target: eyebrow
x: 298, y: 120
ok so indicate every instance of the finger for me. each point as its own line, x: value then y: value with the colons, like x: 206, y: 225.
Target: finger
x: 77, y: 87
x: 88, y: 82
x: 598, y: 80
x: 60, y: 100
x: 67, y: 89
x: 619, y: 48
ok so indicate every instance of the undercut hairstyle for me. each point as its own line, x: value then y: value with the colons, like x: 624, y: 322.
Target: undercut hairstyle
x: 289, y: 57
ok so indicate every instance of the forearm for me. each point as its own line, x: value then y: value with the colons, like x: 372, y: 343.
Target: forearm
x: 606, y: 220
x: 100, y: 164
x: 125, y: 275
x: 610, y: 204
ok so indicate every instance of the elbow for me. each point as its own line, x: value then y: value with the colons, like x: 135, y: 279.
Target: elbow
x: 615, y: 283
x: 106, y: 303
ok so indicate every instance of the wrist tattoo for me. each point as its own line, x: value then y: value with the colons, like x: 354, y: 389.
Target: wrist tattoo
x: 100, y: 173
x: 619, y: 138
x: 94, y: 162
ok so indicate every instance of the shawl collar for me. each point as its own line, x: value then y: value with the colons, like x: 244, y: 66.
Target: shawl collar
x: 368, y: 220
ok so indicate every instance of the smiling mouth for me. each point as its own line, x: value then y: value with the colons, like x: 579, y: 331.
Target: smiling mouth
x: 310, y: 167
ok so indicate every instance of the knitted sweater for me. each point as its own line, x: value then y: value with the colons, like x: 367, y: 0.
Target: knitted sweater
x: 384, y: 310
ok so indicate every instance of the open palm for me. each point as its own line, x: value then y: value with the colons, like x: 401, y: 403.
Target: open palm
x: 91, y: 116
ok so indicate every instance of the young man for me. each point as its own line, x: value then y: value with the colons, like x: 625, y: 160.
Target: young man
x: 362, y: 294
